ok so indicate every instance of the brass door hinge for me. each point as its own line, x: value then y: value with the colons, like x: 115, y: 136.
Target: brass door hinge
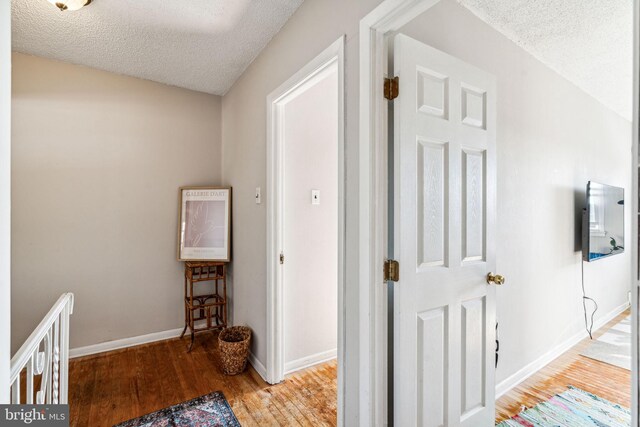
x: 391, y: 88
x: 281, y: 258
x: 391, y: 270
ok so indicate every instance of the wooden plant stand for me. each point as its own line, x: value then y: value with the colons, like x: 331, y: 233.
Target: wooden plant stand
x: 211, y: 307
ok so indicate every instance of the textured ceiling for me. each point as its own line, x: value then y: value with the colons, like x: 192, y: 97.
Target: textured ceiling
x: 589, y: 42
x: 203, y: 45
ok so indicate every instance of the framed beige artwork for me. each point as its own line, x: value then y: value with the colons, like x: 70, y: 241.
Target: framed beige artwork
x: 204, y: 232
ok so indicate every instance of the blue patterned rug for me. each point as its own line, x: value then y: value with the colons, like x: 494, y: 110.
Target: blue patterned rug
x: 211, y: 410
x: 572, y: 408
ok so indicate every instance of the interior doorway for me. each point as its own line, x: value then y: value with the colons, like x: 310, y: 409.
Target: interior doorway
x: 305, y: 220
x: 542, y: 352
x: 517, y: 357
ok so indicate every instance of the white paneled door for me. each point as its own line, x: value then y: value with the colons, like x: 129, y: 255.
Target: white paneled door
x: 445, y: 201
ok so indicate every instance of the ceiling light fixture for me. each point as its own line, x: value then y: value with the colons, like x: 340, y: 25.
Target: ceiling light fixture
x: 70, y: 4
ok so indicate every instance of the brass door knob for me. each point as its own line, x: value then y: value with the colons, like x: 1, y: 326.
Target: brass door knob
x: 495, y: 279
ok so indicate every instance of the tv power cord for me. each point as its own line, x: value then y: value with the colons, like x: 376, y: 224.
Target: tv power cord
x: 588, y: 323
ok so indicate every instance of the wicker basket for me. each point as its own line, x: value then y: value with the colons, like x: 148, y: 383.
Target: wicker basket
x: 234, y: 343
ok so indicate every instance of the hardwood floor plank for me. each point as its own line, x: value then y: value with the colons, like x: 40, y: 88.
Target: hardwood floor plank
x: 82, y: 411
x: 102, y: 410
x: 293, y: 395
x: 318, y: 403
x: 294, y: 416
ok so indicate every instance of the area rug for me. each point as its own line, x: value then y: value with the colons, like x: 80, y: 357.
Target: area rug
x: 572, y: 408
x: 211, y: 410
x: 614, y: 346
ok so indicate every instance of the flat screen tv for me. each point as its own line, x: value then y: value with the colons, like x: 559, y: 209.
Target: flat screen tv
x: 603, y: 222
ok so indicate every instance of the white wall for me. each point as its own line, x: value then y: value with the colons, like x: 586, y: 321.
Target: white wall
x: 97, y: 162
x: 314, y: 26
x: 540, y: 194
x: 311, y: 231
x: 552, y: 138
x: 5, y: 198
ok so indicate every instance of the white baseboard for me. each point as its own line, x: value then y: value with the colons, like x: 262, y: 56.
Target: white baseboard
x: 124, y: 343
x: 308, y: 361
x: 259, y: 367
x: 533, y: 367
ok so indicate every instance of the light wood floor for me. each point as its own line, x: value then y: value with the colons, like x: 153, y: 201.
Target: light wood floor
x: 607, y: 381
x: 113, y: 387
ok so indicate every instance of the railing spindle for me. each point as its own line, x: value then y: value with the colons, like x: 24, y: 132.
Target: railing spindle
x: 30, y: 377
x: 15, y: 392
x: 64, y: 353
x: 56, y: 361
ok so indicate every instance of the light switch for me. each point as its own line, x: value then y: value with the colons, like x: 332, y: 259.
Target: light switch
x: 258, y: 196
x: 315, y: 197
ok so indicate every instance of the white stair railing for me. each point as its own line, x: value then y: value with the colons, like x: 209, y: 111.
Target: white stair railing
x: 45, y: 357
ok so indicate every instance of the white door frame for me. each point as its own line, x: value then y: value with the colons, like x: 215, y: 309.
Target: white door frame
x: 5, y: 199
x: 635, y: 367
x: 331, y: 56
x: 375, y: 28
